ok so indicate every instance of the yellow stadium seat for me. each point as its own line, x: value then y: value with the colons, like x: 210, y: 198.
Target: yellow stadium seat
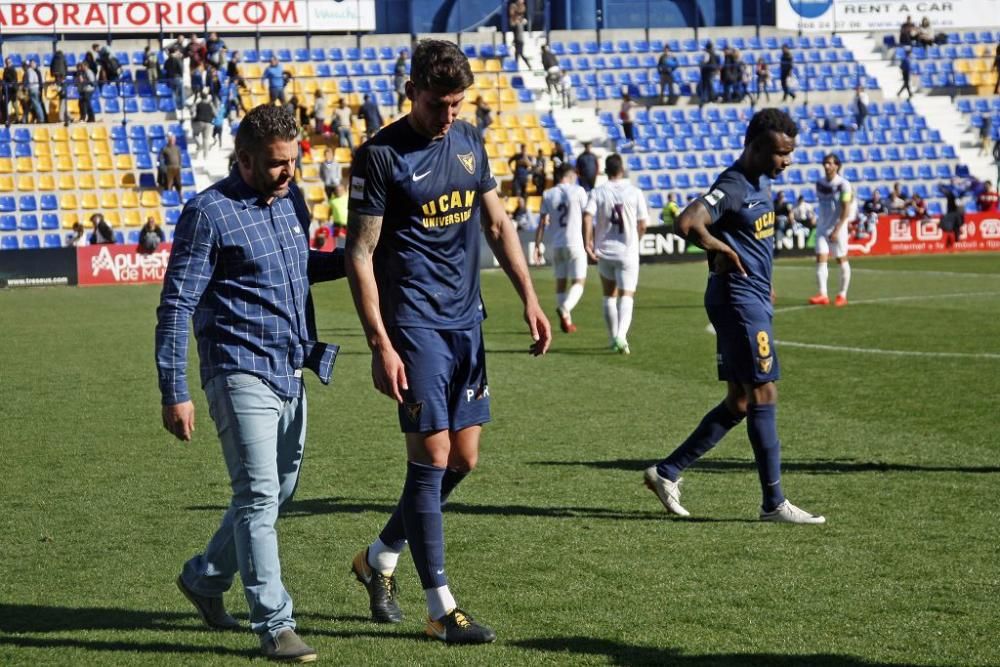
x: 130, y: 199
x: 149, y: 199
x: 68, y: 202
x: 306, y: 71
x: 6, y: 165
x: 133, y: 218
x: 100, y: 147
x: 530, y: 120
x: 46, y: 182
x: 109, y: 200
x: 315, y: 158
x: 477, y: 65
x: 24, y: 165
x: 154, y: 213
x: 500, y: 167
x: 79, y: 133
x: 310, y: 172
x: 329, y: 87
x: 516, y: 135
x: 99, y: 133
x: 81, y: 148
x: 113, y: 218
x: 86, y: 181
x: 962, y: 65
x: 252, y: 71
x: 534, y: 203
x: 42, y: 149
x: 124, y: 162
x: 508, y: 97
x: 977, y: 79
x: 342, y: 154
x: 60, y: 134
x: 43, y: 163
x: 106, y: 181
x: 315, y: 193
x: 64, y: 163
x: 510, y: 205
x: 104, y: 162
x: 26, y: 183
x: 89, y: 201
x: 492, y: 151
x: 127, y: 180
x: 537, y: 134
x: 492, y: 65
x: 69, y: 218
x: 84, y: 162
x: 60, y: 149
x: 491, y: 97
x: 509, y: 121
x: 321, y: 211
x: 67, y: 182
x: 6, y: 183
x: 42, y: 135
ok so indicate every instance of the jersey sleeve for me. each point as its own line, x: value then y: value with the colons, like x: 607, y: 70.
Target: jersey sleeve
x: 591, y: 206
x: 846, y: 191
x: 371, y: 172
x: 641, y: 210
x: 725, y: 196
x: 546, y: 208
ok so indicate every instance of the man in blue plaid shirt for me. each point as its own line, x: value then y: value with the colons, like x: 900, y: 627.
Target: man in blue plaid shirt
x: 241, y: 267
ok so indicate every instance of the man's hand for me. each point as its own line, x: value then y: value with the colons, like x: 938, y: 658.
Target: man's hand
x: 727, y: 261
x: 538, y: 325
x: 179, y: 420
x: 388, y: 373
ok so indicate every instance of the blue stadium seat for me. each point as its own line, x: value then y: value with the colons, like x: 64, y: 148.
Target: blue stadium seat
x: 335, y: 54
x: 52, y: 241
x: 317, y: 55
x: 22, y: 150
x: 28, y: 223
x: 171, y: 216
x: 27, y: 203
x: 9, y: 242
x: 645, y: 182
x: 31, y: 242
x: 943, y: 171
x: 301, y: 55
x: 50, y: 221
x: 664, y: 182
x: 8, y: 223
x: 655, y: 200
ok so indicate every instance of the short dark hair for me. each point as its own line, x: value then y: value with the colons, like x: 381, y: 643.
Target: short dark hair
x: 770, y: 120
x: 834, y: 157
x: 560, y: 172
x: 613, y: 165
x: 440, y: 65
x: 264, y: 124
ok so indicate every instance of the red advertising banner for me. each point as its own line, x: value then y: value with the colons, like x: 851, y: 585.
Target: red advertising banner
x: 109, y: 264
x: 902, y: 236
x: 123, y: 16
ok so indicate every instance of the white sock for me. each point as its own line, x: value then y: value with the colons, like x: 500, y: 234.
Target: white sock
x: 560, y: 300
x: 624, y: 316
x: 822, y: 272
x: 439, y: 601
x: 611, y: 317
x: 845, y: 278
x: 572, y: 297
x: 382, y: 558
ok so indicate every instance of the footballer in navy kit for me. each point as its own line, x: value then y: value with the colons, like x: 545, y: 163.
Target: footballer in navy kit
x: 421, y: 194
x: 734, y: 223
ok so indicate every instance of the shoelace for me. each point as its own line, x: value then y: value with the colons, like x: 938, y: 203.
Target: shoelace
x: 461, y: 620
x: 388, y: 584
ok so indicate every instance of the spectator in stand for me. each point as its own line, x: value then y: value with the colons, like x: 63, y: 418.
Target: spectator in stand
x: 566, y: 89
x: 57, y: 67
x: 587, y: 167
x: 215, y: 49
x: 202, y: 123
x: 276, y: 76
x: 150, y: 236
x: 484, y: 116
x: 918, y: 207
x: 782, y: 217
x: 329, y: 172
x: 730, y: 75
x: 109, y: 65
x: 870, y: 211
x: 763, y: 79
x: 671, y: 209
x: 338, y: 211
x: 399, y: 77
x: 558, y: 154
x: 62, y: 95
x: 553, y: 75
x: 234, y: 71
x: 953, y: 220
x: 8, y: 90
x: 517, y: 17
x: 86, y: 84
x: 78, y: 238
x: 173, y: 71
x: 151, y: 63
x: 708, y: 71
x: 787, y: 64
x: 907, y: 32
x: 371, y: 115
x: 32, y: 82
x: 322, y: 237
x: 904, y: 71
x: 803, y: 215
x: 996, y: 160
x: 996, y: 68
x: 984, y: 135
x: 342, y: 120
x: 988, y: 199
x: 170, y: 164
x: 538, y: 172
x: 520, y: 167
x: 101, y: 230
x: 859, y: 107
x: 320, y: 113
x: 925, y: 36
x: 90, y: 59
x: 666, y: 66
x: 898, y: 199
x: 627, y: 116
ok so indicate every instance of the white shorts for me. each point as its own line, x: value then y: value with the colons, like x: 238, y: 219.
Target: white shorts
x: 569, y: 263
x: 836, y: 246
x: 625, y: 272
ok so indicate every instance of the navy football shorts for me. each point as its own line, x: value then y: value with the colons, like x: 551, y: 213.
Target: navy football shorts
x: 744, y: 341
x: 446, y: 373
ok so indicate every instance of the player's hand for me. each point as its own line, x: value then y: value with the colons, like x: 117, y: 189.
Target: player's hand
x: 727, y: 261
x: 541, y: 330
x: 590, y: 253
x: 388, y: 373
x: 538, y: 254
x: 179, y: 420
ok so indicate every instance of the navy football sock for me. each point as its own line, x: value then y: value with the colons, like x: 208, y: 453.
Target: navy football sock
x: 420, y: 507
x: 762, y: 427
x: 716, y: 424
x: 394, y: 535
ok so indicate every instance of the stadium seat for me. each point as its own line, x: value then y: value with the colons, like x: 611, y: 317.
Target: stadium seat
x: 30, y: 241
x: 52, y: 241
x: 9, y: 242
x: 50, y: 221
x: 8, y: 223
x: 28, y: 223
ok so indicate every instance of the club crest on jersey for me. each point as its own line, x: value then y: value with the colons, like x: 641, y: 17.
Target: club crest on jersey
x: 413, y: 411
x: 468, y: 161
x: 765, y: 364
x: 714, y: 197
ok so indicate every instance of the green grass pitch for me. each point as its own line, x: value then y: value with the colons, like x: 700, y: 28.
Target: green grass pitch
x: 889, y: 424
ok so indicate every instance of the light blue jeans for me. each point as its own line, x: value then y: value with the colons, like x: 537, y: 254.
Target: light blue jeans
x: 263, y: 437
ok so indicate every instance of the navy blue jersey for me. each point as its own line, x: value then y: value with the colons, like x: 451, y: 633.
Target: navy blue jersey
x: 742, y: 215
x: 428, y: 193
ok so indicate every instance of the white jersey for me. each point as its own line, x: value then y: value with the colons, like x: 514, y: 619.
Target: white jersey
x: 564, y: 205
x: 617, y: 207
x: 833, y: 196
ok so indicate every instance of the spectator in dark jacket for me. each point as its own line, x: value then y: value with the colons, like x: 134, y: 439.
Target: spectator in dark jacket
x: 373, y: 117
x: 102, y: 232
x: 787, y: 66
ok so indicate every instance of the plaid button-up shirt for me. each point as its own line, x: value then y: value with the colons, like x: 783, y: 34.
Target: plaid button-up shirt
x: 242, y: 268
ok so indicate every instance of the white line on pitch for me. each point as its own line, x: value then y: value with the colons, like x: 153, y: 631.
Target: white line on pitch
x: 894, y: 353
x: 890, y: 299
x: 954, y: 274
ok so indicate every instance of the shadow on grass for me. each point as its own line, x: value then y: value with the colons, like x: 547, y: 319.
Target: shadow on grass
x: 618, y: 653
x: 555, y: 350
x: 317, y: 506
x: 815, y: 466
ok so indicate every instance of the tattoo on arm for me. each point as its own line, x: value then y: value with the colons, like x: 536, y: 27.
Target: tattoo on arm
x: 362, y: 234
